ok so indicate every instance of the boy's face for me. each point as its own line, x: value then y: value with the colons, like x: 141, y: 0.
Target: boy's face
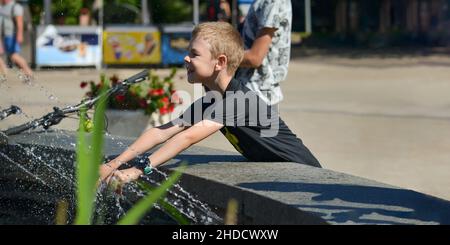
x: 199, y: 62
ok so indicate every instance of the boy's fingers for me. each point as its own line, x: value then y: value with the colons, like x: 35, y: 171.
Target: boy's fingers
x: 115, y: 185
x: 108, y: 178
x: 104, y: 174
x: 121, y: 177
x: 116, y: 180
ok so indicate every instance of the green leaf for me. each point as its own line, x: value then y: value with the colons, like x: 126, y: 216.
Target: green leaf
x: 172, y: 72
x: 167, y: 207
x: 146, y: 204
x: 88, y: 162
x: 99, y: 131
x: 83, y: 200
x: 174, y: 213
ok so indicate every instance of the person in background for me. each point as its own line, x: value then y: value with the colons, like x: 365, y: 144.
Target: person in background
x: 267, y: 38
x: 11, y: 25
x: 3, y: 68
x: 219, y: 10
x: 85, y: 17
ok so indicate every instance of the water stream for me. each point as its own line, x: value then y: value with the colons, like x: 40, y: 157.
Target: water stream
x: 53, y: 169
x: 35, y: 178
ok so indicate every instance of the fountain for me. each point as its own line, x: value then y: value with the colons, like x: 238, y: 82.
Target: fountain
x: 36, y: 177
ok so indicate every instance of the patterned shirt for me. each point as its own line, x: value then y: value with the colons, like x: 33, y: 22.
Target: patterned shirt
x: 265, y: 79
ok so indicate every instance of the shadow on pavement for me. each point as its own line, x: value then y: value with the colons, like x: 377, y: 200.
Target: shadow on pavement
x: 351, y: 203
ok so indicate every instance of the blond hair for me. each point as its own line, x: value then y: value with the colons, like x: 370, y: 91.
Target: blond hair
x: 223, y: 39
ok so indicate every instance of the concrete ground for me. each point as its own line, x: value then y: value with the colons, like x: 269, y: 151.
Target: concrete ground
x: 386, y: 119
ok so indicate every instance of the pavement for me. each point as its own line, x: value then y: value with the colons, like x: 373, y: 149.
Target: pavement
x: 384, y: 119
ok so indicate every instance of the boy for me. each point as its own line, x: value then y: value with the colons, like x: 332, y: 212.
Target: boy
x: 254, y: 129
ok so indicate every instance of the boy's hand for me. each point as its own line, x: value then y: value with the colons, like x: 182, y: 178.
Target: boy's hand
x: 127, y: 175
x: 106, y: 170
x: 120, y: 177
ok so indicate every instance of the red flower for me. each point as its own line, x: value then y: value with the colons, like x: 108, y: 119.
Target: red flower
x: 160, y: 92
x: 163, y: 111
x: 158, y: 97
x: 156, y: 92
x: 120, y: 98
x: 165, y: 101
x: 171, y: 107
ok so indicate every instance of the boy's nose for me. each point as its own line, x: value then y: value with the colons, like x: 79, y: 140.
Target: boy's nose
x: 187, y: 60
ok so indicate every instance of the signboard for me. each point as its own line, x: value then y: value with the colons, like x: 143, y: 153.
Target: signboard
x: 68, y: 46
x: 175, y: 44
x: 123, y: 45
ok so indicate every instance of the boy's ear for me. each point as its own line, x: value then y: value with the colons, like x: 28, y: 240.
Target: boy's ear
x: 222, y: 62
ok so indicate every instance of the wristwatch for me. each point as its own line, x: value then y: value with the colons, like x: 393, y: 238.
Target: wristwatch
x: 143, y: 164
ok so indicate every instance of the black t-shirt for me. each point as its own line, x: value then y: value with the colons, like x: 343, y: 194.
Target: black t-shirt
x: 250, y: 125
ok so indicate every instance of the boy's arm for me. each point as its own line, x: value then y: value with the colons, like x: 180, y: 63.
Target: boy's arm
x: 145, y: 142
x: 175, y: 145
x: 183, y: 140
x: 254, y: 56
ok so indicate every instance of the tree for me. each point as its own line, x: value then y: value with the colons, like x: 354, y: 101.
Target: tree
x: 63, y: 12
x: 174, y: 11
x: 66, y: 12
x: 115, y: 11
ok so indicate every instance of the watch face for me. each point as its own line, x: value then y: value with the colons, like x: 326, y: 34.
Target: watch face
x: 148, y: 170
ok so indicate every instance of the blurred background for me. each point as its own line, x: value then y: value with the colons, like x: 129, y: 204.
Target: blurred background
x: 320, y: 24
x: 367, y: 89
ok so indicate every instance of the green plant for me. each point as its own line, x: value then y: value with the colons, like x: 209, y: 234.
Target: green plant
x: 145, y: 204
x: 152, y: 96
x: 67, y: 11
x: 88, y: 161
x: 89, y: 157
x: 174, y: 11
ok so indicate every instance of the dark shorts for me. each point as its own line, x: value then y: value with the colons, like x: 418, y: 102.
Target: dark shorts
x: 11, y: 45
